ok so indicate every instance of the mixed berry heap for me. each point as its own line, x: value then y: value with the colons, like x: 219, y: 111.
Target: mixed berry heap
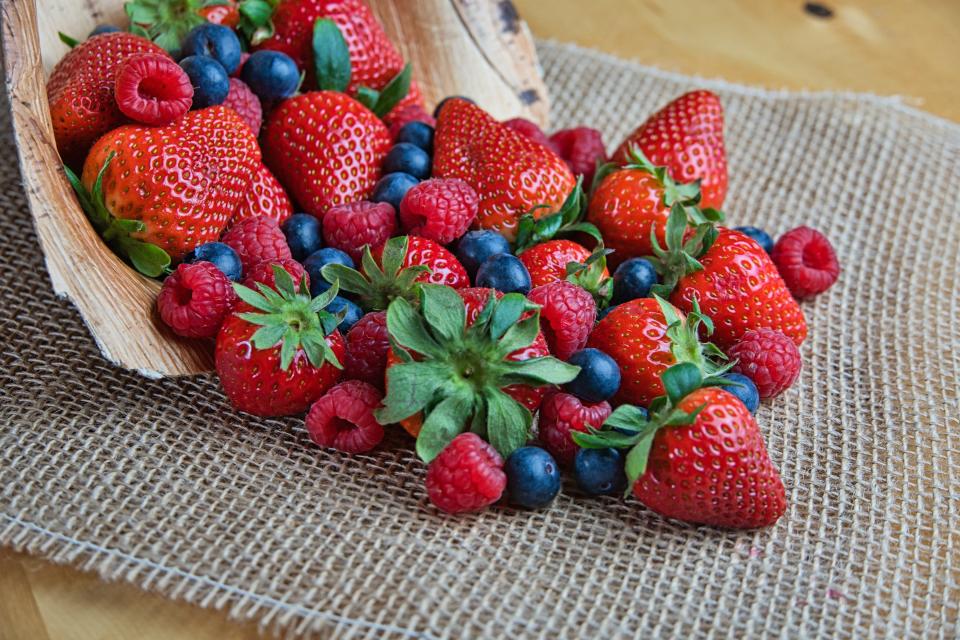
x: 373, y: 266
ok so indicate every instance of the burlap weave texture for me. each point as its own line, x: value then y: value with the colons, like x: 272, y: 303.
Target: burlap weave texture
x: 159, y: 483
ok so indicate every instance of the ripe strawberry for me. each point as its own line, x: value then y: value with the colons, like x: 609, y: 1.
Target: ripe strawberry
x: 443, y: 265
x: 81, y: 91
x: 686, y: 136
x: 265, y: 197
x: 325, y: 148
x: 511, y: 174
x: 264, y: 273
x: 699, y: 458
x: 547, y: 262
x: 531, y: 130
x: 567, y: 315
x: 276, y: 355
x: 227, y: 13
x: 156, y: 193
x: 462, y: 372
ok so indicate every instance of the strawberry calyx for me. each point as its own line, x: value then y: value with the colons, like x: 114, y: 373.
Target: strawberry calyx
x: 568, y: 219
x: 681, y: 255
x: 458, y: 377
x: 685, y: 345
x: 147, y: 258
x: 590, y: 276
x: 167, y: 22
x: 289, y: 317
x: 380, y: 284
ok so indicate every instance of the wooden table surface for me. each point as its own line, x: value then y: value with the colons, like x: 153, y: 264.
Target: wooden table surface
x: 906, y: 48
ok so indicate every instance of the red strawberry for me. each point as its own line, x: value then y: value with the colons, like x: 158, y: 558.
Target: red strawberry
x: 531, y: 130
x: 686, y: 136
x: 511, y: 174
x: 567, y: 314
x: 81, y: 91
x: 275, y: 356
x: 547, y: 262
x: 443, y: 265
x: 264, y: 273
x: 325, y: 148
x: 227, y: 13
x: 168, y: 189
x: 265, y: 197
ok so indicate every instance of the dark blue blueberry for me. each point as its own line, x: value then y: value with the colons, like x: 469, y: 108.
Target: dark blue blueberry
x: 599, y: 472
x: 436, y: 110
x: 762, y: 237
x: 222, y: 256
x: 209, y: 79
x: 319, y: 259
x: 407, y: 158
x: 603, y: 314
x: 744, y: 389
x: 392, y: 187
x: 476, y: 246
x: 599, y: 376
x: 271, y: 75
x: 504, y: 272
x: 417, y: 133
x: 303, y: 235
x: 214, y: 41
x: 533, y: 478
x: 103, y: 28
x: 643, y: 413
x: 633, y: 279
x: 353, y: 312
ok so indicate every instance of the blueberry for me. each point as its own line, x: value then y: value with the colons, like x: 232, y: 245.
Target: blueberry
x: 643, y: 414
x: 476, y: 246
x: 271, y: 75
x: 762, y: 237
x: 599, y: 472
x: 353, y: 312
x: 533, y: 478
x: 744, y: 389
x: 407, y: 158
x: 504, y: 272
x: 214, y: 41
x: 436, y: 110
x: 319, y: 259
x: 303, y: 235
x: 417, y: 133
x: 392, y: 187
x: 222, y: 256
x: 603, y: 314
x: 599, y: 376
x: 209, y: 79
x: 633, y: 279
x: 103, y: 28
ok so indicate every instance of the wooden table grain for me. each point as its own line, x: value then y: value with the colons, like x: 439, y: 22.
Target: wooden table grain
x: 888, y: 47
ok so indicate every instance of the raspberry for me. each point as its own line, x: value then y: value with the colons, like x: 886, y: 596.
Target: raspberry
x: 247, y: 105
x: 530, y: 130
x: 263, y: 273
x: 257, y: 239
x: 562, y: 413
x: 367, y: 345
x: 440, y: 210
x: 350, y: 227
x: 403, y: 115
x: 806, y: 261
x: 343, y: 418
x: 466, y: 476
x: 264, y: 197
x: 581, y: 148
x: 567, y: 315
x: 195, y: 299
x: 767, y: 357
x: 152, y: 89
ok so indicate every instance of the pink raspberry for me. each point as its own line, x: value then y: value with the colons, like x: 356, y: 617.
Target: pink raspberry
x: 769, y: 358
x: 195, y: 299
x: 351, y: 227
x: 367, y: 345
x: 567, y: 315
x: 263, y: 272
x: 439, y: 209
x: 245, y: 102
x: 343, y: 418
x: 560, y: 414
x: 806, y: 262
x: 257, y: 239
x: 530, y: 130
x: 402, y: 115
x: 466, y: 476
x: 581, y: 148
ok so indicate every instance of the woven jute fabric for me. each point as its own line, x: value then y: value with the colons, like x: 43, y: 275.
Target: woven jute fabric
x: 160, y: 483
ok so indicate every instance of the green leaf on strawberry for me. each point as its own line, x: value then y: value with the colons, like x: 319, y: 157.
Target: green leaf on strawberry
x: 380, y: 284
x: 331, y: 57
x: 568, y: 219
x: 590, y: 276
x: 67, y: 40
x: 383, y: 101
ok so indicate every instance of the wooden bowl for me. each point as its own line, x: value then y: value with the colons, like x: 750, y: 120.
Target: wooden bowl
x: 495, y: 61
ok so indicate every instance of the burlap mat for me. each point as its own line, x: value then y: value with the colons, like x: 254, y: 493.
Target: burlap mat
x: 160, y: 484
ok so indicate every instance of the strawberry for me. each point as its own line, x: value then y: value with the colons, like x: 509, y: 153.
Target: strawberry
x: 155, y: 193
x: 699, y: 458
x: 279, y: 351
x: 547, y: 262
x: 686, y: 136
x: 325, y: 148
x: 81, y: 91
x: 463, y: 370
x: 265, y: 197
x: 226, y: 13
x: 511, y: 174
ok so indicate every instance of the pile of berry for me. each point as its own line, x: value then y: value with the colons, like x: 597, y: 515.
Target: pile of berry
x: 447, y: 273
